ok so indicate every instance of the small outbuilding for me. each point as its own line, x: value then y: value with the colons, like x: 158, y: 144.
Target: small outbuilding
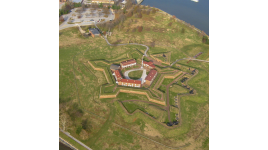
x: 114, y: 67
x: 94, y: 32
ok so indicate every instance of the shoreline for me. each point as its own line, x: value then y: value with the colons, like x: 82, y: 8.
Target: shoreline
x: 181, y: 21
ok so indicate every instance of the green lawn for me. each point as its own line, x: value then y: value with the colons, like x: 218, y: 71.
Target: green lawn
x: 178, y: 89
x: 135, y: 74
x: 167, y: 81
x: 132, y: 106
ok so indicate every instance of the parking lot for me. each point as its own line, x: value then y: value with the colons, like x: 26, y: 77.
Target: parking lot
x: 91, y: 15
x: 86, y: 17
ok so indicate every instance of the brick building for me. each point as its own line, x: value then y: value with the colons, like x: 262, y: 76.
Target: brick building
x: 150, y: 77
x: 128, y: 63
x: 149, y: 64
x: 117, y: 75
x: 129, y: 82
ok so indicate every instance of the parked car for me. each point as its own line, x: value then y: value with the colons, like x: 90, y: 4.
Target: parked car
x: 91, y: 19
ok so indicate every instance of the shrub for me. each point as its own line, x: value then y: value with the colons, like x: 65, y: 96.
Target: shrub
x: 140, y: 15
x: 152, y: 44
x: 140, y: 28
x: 169, y: 24
x: 182, y: 30
x: 86, y: 125
x: 61, y: 19
x: 78, y: 130
x: 134, y: 30
x: 153, y: 11
x: 100, y: 5
x: 130, y: 14
x: 205, y: 40
x: 77, y: 5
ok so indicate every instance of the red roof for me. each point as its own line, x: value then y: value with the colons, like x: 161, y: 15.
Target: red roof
x: 117, y: 74
x: 151, y: 75
x: 132, y: 61
x: 151, y: 64
x: 131, y: 81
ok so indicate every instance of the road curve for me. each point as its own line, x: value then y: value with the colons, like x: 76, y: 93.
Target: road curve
x: 142, y: 79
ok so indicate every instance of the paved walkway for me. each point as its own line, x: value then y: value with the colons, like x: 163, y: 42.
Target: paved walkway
x: 142, y: 79
x: 75, y: 139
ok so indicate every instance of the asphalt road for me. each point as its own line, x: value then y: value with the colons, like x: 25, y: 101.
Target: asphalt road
x: 142, y: 79
x: 75, y: 140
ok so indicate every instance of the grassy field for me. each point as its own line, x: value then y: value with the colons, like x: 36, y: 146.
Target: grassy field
x: 80, y: 85
x: 178, y: 89
x: 135, y: 74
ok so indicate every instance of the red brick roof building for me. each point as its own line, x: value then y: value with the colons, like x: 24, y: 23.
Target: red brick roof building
x: 150, y: 77
x: 130, y: 82
x: 117, y: 75
x: 128, y: 63
x: 149, y: 64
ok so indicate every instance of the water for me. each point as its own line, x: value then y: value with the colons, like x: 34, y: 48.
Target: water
x: 196, y: 14
x: 63, y: 147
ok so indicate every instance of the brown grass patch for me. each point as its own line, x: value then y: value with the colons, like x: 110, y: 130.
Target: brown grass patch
x: 83, y: 135
x: 134, y: 119
x: 160, y: 30
x: 149, y: 18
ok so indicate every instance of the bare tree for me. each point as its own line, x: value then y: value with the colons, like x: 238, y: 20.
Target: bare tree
x: 148, y: 12
x: 140, y: 15
x: 140, y: 28
x: 153, y: 11
x: 182, y: 30
x: 129, y: 4
x: 63, y: 121
x: 61, y: 19
x: 83, y: 7
x: 106, y: 11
